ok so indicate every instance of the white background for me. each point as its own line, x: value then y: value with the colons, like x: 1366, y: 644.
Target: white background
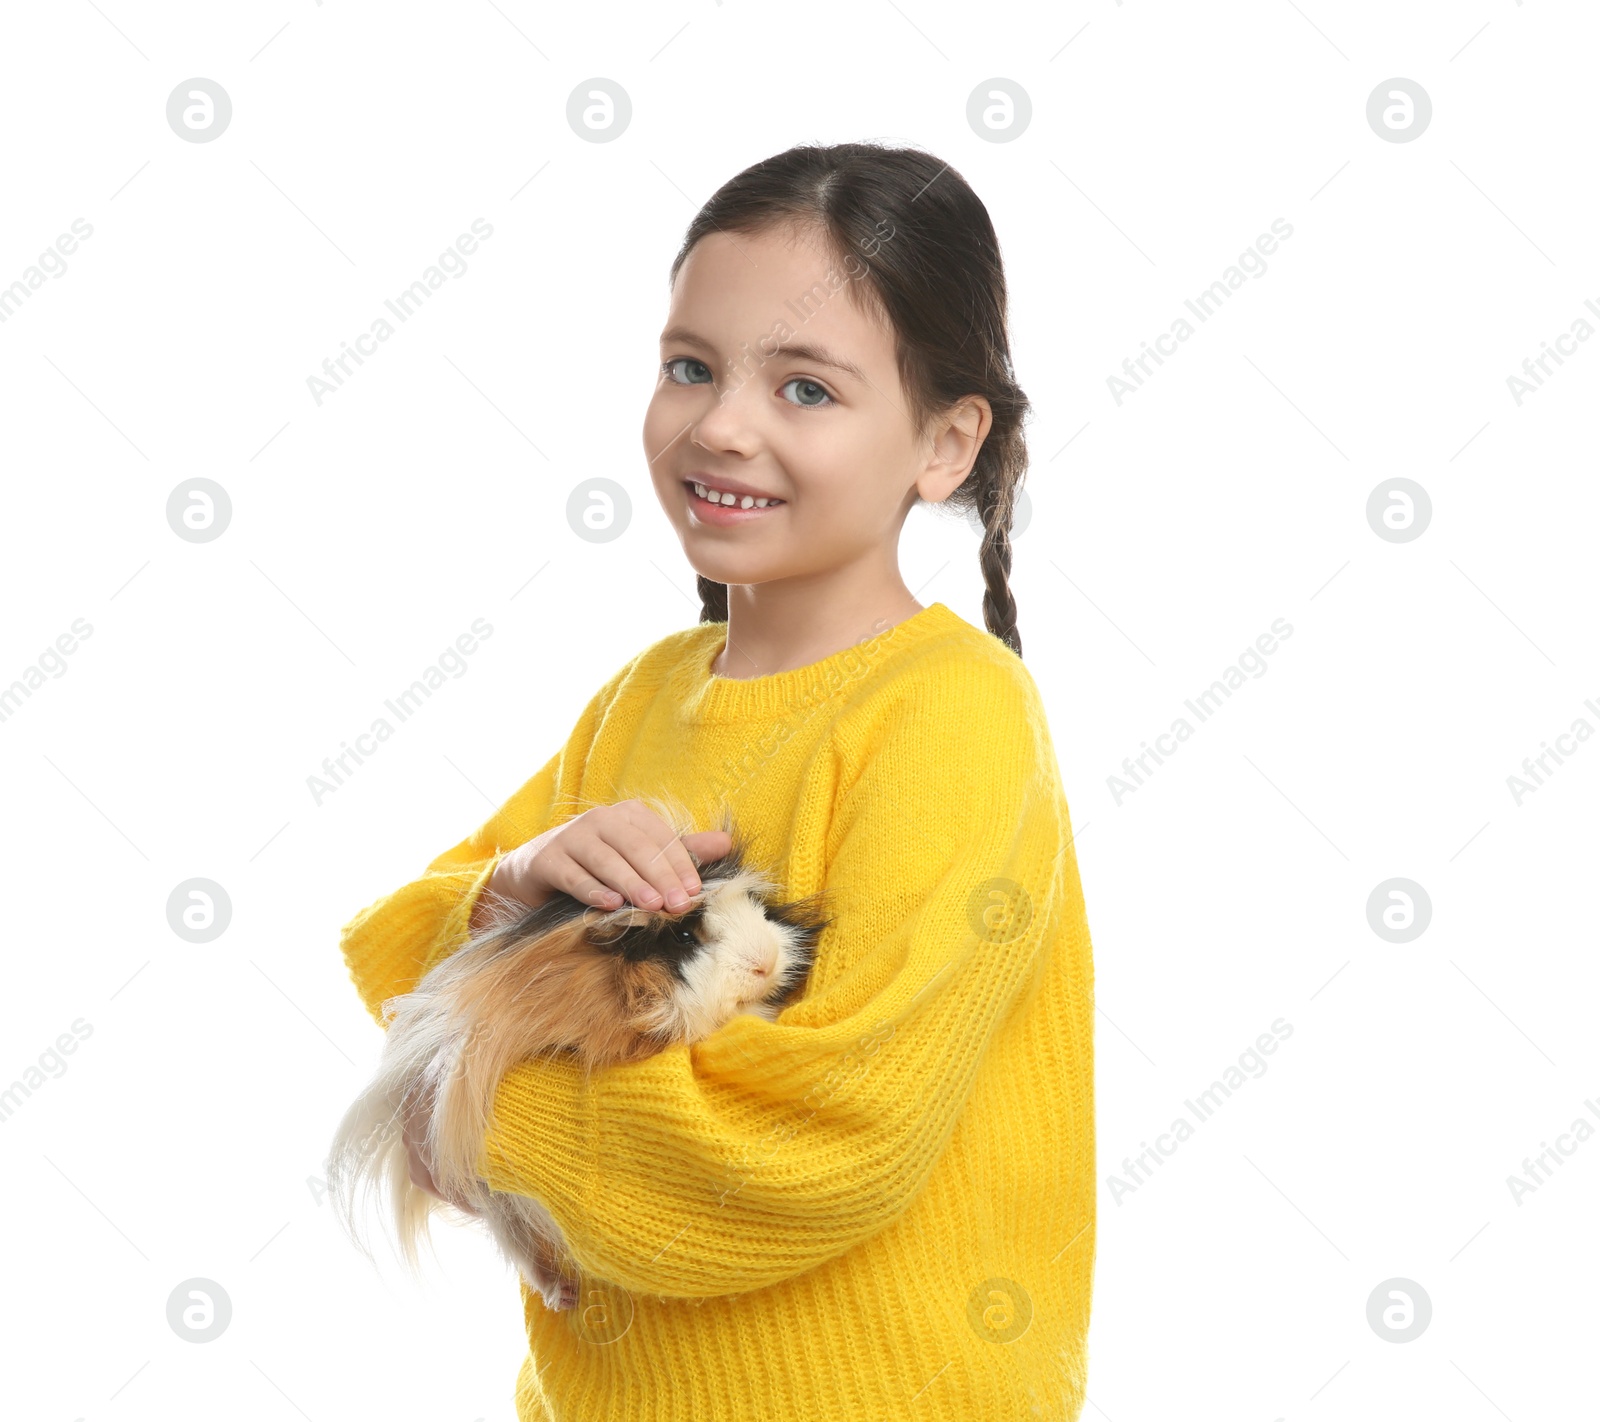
x: 185, y: 1137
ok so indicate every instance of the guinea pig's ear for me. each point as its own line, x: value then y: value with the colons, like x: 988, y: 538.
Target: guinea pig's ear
x: 808, y: 916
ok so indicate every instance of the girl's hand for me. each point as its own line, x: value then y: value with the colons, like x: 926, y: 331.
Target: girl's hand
x: 414, y: 1113
x: 607, y: 854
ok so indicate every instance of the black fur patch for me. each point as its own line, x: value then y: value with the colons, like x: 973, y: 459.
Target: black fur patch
x: 676, y: 939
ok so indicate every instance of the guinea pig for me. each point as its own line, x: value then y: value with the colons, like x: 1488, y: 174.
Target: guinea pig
x: 608, y: 986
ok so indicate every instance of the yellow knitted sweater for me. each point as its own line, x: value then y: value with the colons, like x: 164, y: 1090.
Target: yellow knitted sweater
x: 882, y: 1205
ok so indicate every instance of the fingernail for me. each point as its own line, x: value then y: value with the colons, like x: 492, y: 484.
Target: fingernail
x: 677, y: 899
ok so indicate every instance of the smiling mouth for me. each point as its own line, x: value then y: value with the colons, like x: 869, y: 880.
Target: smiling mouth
x: 709, y: 497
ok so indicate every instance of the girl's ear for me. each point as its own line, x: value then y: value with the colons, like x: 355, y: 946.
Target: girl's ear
x: 958, y: 435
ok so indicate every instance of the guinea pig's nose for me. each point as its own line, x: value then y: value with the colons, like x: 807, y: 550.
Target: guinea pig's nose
x: 766, y: 967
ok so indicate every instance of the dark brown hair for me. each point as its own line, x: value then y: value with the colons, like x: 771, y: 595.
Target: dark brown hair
x: 932, y: 269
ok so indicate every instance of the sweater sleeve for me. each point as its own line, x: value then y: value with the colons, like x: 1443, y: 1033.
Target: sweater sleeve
x: 392, y: 943
x: 768, y: 1148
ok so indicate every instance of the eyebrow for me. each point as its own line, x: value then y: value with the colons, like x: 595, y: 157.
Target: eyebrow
x: 792, y: 350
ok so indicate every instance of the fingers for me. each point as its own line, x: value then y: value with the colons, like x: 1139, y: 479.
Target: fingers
x: 413, y: 1119
x: 420, y: 1176
x: 423, y: 1180
x: 598, y: 873
x: 707, y: 845
x: 627, y: 850
x: 413, y: 1125
x: 659, y: 857
x: 633, y: 860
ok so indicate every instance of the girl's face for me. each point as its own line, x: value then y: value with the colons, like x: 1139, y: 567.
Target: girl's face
x: 776, y: 384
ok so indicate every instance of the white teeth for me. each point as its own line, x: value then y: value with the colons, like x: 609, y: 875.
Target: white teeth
x: 746, y: 501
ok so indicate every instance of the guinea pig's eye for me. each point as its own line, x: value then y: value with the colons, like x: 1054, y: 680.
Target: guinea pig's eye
x: 684, y: 934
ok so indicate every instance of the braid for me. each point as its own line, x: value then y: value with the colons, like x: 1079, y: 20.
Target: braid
x: 713, y: 599
x: 995, y: 498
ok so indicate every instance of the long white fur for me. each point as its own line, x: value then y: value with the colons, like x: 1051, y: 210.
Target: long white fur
x: 425, y: 1047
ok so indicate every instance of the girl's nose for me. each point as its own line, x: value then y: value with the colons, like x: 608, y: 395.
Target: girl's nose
x: 725, y: 426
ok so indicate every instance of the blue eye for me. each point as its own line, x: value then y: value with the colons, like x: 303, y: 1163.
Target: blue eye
x: 668, y: 365
x: 813, y: 388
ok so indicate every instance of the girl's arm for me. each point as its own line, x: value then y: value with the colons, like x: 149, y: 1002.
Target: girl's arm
x: 391, y: 943
x: 769, y: 1148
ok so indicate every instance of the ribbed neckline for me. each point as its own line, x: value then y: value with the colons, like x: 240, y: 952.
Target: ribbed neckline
x: 709, y: 697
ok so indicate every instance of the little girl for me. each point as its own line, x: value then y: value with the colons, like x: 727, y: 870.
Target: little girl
x: 882, y: 1205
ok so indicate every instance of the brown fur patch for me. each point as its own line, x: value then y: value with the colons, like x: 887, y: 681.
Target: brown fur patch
x: 556, y: 991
